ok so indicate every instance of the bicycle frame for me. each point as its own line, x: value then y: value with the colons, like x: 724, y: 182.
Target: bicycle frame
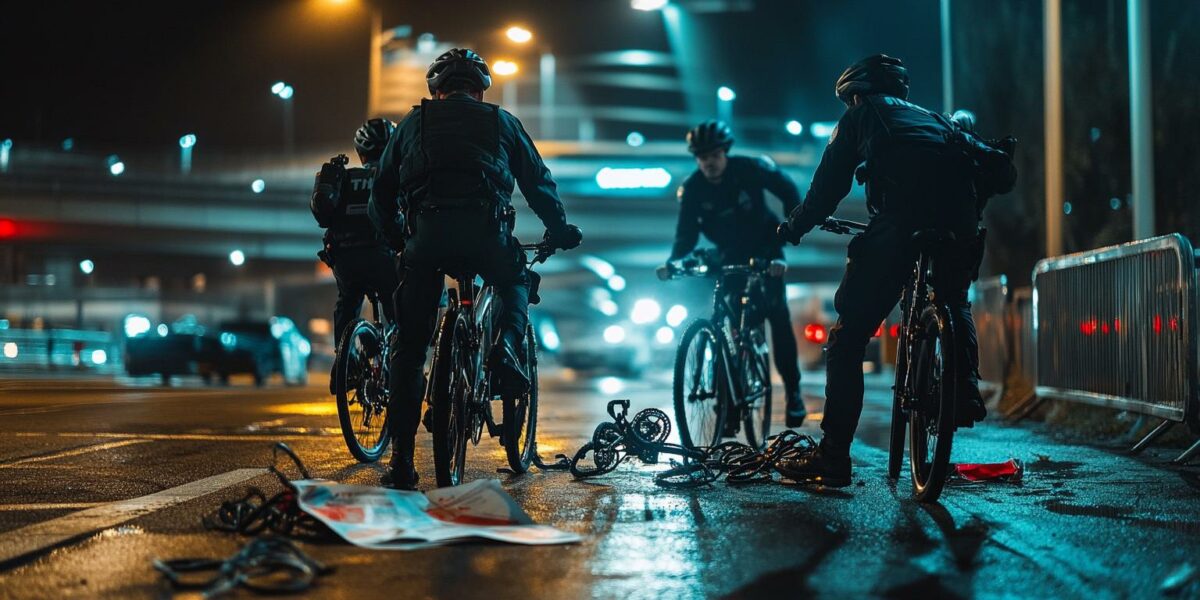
x: 737, y: 338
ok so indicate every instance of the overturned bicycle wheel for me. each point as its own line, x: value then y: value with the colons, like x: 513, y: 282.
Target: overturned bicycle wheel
x: 601, y: 455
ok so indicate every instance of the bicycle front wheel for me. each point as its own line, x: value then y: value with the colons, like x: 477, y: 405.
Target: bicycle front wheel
x: 520, y: 414
x: 756, y: 390
x: 362, y: 391
x: 448, y: 393
x: 700, y: 403
x: 931, y: 415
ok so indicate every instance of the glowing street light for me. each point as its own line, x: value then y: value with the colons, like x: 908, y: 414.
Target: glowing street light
x: 518, y: 35
x: 287, y: 92
x: 186, y: 143
x: 794, y: 127
x: 505, y: 67
x: 648, y: 5
x: 237, y: 258
x: 257, y: 186
x: 278, y: 87
x: 726, y: 94
x: 115, y: 166
x: 86, y: 266
x: 635, y: 139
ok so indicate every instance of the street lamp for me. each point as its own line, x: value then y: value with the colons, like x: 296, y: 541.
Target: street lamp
x: 505, y: 67
x: 518, y: 35
x: 257, y: 186
x: 115, y: 166
x: 794, y: 127
x: 237, y: 258
x: 648, y: 5
x: 186, y: 143
x: 725, y: 98
x: 86, y: 266
x: 285, y: 93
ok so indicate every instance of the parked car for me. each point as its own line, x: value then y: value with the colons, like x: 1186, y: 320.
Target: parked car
x: 262, y: 348
x: 167, y: 351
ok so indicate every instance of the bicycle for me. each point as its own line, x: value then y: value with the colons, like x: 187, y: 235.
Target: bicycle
x: 460, y: 388
x: 361, y: 384
x: 926, y: 386
x: 722, y: 371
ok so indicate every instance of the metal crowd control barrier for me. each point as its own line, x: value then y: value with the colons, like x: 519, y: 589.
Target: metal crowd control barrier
x: 989, y: 308
x: 1116, y: 327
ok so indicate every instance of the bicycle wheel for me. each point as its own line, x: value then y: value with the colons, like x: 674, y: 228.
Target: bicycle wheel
x: 520, y: 414
x: 448, y: 395
x: 700, y: 401
x: 899, y: 415
x: 931, y: 416
x: 755, y: 368
x: 362, y: 391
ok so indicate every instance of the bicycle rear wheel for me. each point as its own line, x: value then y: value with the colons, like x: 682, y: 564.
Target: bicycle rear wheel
x: 520, y: 414
x: 448, y: 395
x: 899, y: 415
x: 700, y: 402
x: 362, y: 391
x: 756, y: 387
x: 931, y: 416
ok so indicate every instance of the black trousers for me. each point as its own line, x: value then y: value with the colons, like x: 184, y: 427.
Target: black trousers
x: 359, y: 270
x: 447, y: 244
x: 783, y: 339
x: 880, y: 264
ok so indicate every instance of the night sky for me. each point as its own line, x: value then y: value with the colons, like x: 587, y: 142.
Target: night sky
x: 142, y: 74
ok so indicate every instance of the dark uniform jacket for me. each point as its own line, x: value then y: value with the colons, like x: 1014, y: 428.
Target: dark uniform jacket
x: 919, y: 169
x: 459, y: 142
x: 733, y: 214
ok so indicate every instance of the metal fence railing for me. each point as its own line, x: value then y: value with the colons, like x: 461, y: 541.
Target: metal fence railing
x: 1116, y: 327
x: 989, y: 308
x: 96, y: 351
x: 1024, y: 354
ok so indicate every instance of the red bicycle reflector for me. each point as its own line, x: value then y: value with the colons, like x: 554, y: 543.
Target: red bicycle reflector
x: 814, y: 332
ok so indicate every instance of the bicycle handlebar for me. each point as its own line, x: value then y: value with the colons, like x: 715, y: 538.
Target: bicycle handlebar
x: 696, y: 266
x: 543, y: 251
x: 842, y: 226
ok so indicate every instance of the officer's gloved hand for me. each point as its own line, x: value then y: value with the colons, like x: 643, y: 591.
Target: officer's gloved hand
x: 664, y: 272
x: 564, y: 237
x: 785, y: 233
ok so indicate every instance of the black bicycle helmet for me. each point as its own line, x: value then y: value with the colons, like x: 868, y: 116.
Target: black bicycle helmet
x: 456, y: 65
x: 709, y: 136
x: 878, y: 74
x: 370, y: 139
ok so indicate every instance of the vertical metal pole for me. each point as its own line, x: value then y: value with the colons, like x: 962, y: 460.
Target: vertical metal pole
x: 376, y: 62
x: 289, y: 128
x: 947, y: 61
x: 1053, y: 125
x: 1141, y: 125
x: 549, y: 75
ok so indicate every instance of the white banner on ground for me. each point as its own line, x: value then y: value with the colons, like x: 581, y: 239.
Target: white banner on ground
x: 385, y: 519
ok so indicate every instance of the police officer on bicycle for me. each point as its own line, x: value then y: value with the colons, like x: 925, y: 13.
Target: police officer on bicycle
x: 724, y: 200
x: 922, y: 171
x: 443, y: 193
x: 360, y: 261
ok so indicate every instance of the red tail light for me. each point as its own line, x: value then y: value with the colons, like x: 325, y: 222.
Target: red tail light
x: 878, y: 331
x: 1157, y: 324
x: 815, y: 333
x: 1089, y: 327
x: 894, y: 331
x: 8, y: 228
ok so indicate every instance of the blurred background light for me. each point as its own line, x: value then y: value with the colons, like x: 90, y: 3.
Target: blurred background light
x: 614, y: 334
x: 609, y: 178
x: 677, y: 315
x: 645, y: 310
x: 519, y: 35
x: 86, y: 266
x: 648, y: 4
x: 635, y: 139
x: 237, y: 257
x: 257, y: 186
x: 504, y: 67
x: 794, y: 127
x: 822, y: 129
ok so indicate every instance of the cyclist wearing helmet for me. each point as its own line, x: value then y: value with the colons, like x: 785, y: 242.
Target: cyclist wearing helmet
x: 724, y: 200
x: 361, y: 262
x: 922, y: 171
x: 443, y: 193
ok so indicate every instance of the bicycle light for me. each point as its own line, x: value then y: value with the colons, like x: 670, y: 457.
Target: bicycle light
x: 815, y: 333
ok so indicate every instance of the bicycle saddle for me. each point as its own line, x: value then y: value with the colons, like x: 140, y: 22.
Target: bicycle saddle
x: 928, y: 239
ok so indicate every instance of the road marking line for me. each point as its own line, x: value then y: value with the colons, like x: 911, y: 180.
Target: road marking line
x: 74, y: 452
x: 36, y: 538
x: 48, y: 506
x: 207, y: 437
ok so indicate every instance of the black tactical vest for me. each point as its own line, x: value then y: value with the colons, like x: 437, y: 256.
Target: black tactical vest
x: 351, y: 226
x: 458, y: 163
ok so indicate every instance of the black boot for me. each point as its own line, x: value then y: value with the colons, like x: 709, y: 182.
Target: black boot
x: 971, y: 408
x: 508, y: 372
x: 817, y: 467
x: 401, y: 473
x: 796, y: 412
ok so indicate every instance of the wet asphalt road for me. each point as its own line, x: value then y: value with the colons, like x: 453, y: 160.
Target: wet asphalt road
x: 1085, y: 522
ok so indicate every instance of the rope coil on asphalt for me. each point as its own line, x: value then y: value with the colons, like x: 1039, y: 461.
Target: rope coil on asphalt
x: 255, y: 513
x: 266, y: 565
x: 644, y: 437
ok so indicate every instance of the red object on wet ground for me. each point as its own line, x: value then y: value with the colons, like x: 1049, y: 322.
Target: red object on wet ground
x: 1009, y: 470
